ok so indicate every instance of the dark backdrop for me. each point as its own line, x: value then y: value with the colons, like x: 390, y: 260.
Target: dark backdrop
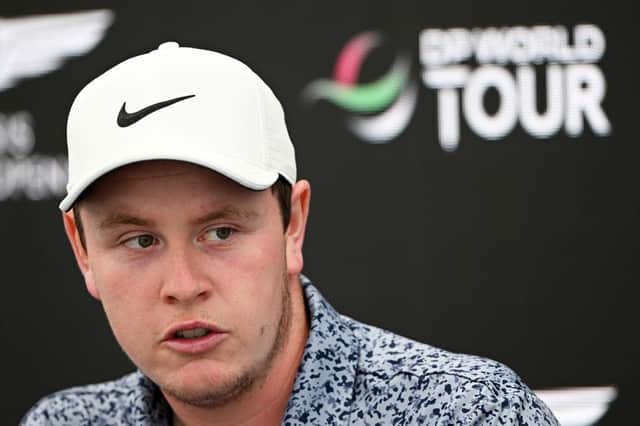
x: 520, y: 249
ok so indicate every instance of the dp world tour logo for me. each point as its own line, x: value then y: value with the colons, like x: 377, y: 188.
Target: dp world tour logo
x: 380, y: 110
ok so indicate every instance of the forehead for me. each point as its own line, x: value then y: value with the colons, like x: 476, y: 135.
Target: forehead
x: 166, y: 179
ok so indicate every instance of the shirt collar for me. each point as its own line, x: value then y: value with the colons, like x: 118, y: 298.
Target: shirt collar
x: 326, y: 376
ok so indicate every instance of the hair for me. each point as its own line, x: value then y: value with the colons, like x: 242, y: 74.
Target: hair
x: 281, y: 189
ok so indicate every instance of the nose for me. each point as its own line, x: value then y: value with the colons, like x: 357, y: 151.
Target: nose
x: 183, y: 282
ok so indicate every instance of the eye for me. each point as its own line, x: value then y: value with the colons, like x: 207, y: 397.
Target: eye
x: 140, y: 241
x: 218, y: 234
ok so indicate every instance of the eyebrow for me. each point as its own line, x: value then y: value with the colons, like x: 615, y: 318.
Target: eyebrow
x: 116, y: 219
x: 226, y: 212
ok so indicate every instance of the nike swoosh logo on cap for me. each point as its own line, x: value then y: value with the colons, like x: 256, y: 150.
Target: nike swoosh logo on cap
x: 126, y: 119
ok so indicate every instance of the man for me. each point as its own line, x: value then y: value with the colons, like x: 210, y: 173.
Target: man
x: 187, y: 223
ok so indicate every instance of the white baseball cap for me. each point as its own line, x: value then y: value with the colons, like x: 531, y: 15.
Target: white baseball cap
x: 179, y: 103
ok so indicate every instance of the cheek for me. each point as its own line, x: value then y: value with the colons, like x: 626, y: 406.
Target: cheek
x: 127, y: 298
x: 254, y: 282
x: 119, y: 281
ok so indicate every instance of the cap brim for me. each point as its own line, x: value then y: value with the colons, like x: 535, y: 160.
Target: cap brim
x: 241, y: 172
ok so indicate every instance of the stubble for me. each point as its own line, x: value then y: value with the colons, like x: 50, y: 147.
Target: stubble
x: 251, y: 376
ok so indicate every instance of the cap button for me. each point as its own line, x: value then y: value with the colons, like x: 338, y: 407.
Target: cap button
x: 168, y: 45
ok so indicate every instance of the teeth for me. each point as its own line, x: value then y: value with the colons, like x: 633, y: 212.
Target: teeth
x: 193, y: 333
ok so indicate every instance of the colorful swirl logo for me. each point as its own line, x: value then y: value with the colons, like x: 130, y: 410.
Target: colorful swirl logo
x: 389, y: 101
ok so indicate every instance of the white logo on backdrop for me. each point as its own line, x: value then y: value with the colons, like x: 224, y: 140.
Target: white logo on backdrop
x: 462, y: 65
x: 30, y: 47
x: 35, y: 45
x: 24, y: 173
x: 578, y: 406
x: 575, y: 85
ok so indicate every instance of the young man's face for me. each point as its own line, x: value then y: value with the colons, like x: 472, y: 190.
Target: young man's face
x: 193, y: 272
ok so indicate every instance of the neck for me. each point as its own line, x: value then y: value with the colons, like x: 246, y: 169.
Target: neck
x: 266, y: 401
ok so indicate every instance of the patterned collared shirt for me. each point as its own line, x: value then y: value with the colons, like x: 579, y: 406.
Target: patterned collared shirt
x: 351, y: 374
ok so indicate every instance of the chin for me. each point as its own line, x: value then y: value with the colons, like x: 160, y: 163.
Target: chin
x: 205, y: 385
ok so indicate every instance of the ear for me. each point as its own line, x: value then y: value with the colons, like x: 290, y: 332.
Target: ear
x: 300, y: 198
x: 80, y: 253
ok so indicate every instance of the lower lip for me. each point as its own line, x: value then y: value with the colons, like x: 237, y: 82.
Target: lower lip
x: 195, y: 346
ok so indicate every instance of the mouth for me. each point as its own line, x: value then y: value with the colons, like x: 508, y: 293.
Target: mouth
x: 192, y: 333
x: 193, y: 337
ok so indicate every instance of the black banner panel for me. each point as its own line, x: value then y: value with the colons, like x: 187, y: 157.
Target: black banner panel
x: 472, y: 167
